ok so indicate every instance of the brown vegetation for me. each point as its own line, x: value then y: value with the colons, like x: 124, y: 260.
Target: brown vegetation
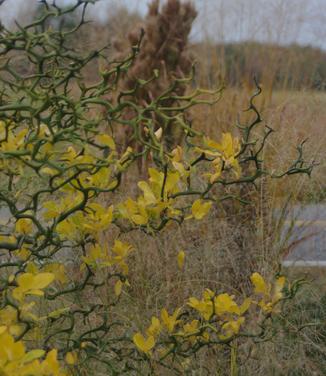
x: 163, y: 38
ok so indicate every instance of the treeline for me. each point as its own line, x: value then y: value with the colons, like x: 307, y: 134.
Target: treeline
x: 281, y: 67
x: 291, y: 67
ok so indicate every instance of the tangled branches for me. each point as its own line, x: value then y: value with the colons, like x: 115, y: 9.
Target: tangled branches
x: 61, y: 173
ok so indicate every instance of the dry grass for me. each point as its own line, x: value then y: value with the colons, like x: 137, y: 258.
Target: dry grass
x: 300, y: 346
x: 223, y: 249
x: 295, y: 116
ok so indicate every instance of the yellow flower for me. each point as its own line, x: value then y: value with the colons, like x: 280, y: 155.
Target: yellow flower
x: 149, y: 195
x: 58, y: 270
x: 158, y: 179
x: 259, y: 283
x: 227, y: 151
x: 67, y: 229
x: 191, y: 330
x: 14, y: 360
x: 8, y: 320
x: 155, y: 198
x: 97, y: 256
x: 24, y: 226
x: 217, y: 165
x: 181, y: 259
x: 183, y: 172
x: 53, y: 209
x: 170, y: 321
x: 155, y: 328
x: 159, y: 187
x: 8, y: 239
x: 231, y: 328
x: 50, y: 365
x: 177, y: 154
x: 134, y: 211
x: 71, y: 358
x: 9, y: 349
x: 271, y: 295
x: 278, y: 287
x: 229, y: 147
x: 13, y: 142
x: 208, y: 294
x: 224, y: 303
x: 121, y: 250
x: 144, y: 344
x: 100, y: 179
x: 23, y: 254
x: 200, y: 209
x: 32, y: 268
x: 204, y: 307
x: 118, y: 288
x: 97, y: 218
x: 48, y: 171
x: 106, y: 140
x: 31, y: 284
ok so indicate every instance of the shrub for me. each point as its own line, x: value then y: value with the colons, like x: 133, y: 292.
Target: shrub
x: 66, y: 240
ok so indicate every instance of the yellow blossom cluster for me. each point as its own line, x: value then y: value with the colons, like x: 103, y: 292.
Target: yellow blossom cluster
x: 73, y: 215
x: 84, y: 166
x: 219, y: 318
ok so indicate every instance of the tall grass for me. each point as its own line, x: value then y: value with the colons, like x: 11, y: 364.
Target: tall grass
x: 225, y: 248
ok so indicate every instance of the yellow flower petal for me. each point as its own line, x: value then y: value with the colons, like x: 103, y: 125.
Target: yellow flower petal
x: 181, y: 259
x: 71, y: 358
x: 144, y: 345
x: 118, y: 288
x: 200, y: 209
x: 106, y: 140
x: 155, y: 327
x: 259, y: 283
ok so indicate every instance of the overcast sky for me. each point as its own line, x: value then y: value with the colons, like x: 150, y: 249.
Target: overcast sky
x: 280, y: 21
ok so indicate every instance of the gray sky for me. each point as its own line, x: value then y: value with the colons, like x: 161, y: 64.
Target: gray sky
x: 280, y: 21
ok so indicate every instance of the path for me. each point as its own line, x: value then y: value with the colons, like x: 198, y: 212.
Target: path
x: 308, y: 236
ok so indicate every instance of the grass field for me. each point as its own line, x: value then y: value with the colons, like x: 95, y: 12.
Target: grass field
x: 295, y: 116
x: 226, y: 247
